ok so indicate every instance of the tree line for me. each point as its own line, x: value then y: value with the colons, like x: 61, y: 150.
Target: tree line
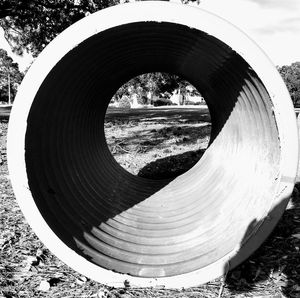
x: 291, y: 76
x: 156, y: 88
x: 10, y: 77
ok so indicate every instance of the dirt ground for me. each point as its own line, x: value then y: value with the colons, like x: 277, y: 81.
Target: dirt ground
x: 151, y: 144
x: 160, y: 142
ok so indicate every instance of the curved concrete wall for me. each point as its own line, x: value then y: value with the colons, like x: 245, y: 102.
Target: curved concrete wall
x: 113, y: 226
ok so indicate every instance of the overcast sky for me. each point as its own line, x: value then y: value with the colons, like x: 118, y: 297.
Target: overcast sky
x: 273, y: 24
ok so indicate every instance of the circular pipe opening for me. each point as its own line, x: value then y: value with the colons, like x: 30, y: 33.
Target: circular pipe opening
x: 157, y: 126
x: 114, y: 226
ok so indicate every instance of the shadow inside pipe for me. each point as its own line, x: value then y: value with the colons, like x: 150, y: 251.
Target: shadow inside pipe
x: 276, y: 262
x: 81, y: 191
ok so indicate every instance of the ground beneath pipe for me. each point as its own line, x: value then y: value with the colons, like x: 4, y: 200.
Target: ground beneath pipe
x: 28, y: 269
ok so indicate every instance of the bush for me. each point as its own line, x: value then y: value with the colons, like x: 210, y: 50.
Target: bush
x: 124, y: 103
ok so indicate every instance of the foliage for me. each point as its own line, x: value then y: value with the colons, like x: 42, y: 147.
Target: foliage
x: 150, y: 86
x: 291, y: 77
x: 10, y: 77
x: 124, y: 102
x: 32, y: 24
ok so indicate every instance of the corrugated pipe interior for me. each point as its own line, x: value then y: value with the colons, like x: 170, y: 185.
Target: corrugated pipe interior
x: 112, y: 225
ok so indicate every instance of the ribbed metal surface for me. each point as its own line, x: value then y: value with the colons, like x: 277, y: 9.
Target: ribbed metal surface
x: 138, y: 226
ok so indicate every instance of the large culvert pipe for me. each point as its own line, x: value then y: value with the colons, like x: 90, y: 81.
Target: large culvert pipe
x: 113, y: 226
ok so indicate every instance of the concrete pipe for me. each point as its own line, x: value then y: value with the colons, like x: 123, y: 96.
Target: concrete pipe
x: 113, y: 226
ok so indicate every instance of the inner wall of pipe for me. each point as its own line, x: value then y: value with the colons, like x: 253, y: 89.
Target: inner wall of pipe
x: 144, y: 227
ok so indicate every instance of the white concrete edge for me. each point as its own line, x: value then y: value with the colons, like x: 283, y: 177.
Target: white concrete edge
x: 105, y: 19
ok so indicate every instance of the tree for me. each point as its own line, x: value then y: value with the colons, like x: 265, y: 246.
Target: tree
x: 30, y: 25
x: 154, y: 84
x: 291, y: 77
x: 10, y: 77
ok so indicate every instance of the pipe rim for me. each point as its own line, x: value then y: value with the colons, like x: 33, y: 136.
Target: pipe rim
x: 157, y: 12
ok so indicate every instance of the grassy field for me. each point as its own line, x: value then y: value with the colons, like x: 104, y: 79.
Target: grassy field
x: 149, y: 143
x: 157, y: 142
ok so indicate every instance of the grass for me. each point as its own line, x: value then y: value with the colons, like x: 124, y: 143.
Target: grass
x: 145, y: 144
x: 158, y: 142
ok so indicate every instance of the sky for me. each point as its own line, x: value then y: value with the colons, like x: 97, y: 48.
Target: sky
x: 273, y: 24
